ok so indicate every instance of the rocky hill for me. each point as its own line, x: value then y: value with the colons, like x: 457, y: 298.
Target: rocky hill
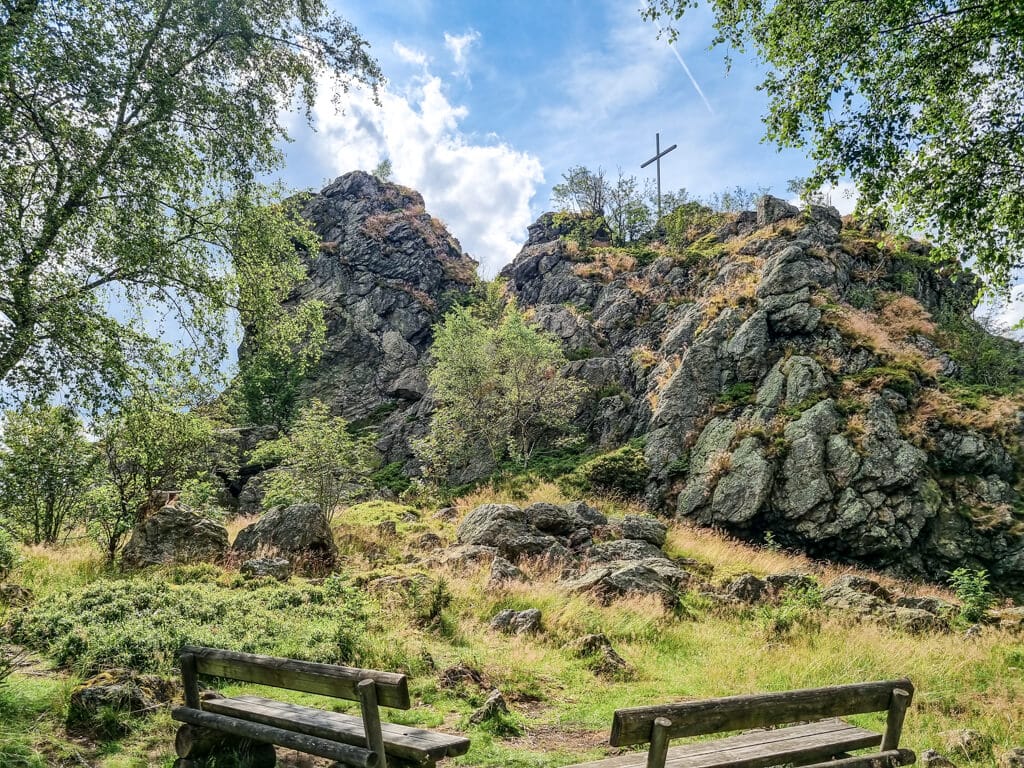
x: 791, y: 375
x: 788, y: 374
x: 386, y: 271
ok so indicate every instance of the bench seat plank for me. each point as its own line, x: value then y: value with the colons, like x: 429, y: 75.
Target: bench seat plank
x: 409, y: 743
x: 760, y: 749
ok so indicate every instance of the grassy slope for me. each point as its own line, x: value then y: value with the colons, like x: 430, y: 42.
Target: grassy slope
x: 562, y: 708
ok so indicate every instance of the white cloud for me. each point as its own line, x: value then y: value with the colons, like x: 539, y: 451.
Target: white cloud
x: 409, y: 55
x: 480, y: 189
x: 459, y: 46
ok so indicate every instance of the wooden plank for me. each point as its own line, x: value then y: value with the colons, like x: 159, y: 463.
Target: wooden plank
x: 400, y: 741
x: 325, y: 679
x: 894, y: 721
x: 342, y: 753
x: 189, y: 681
x: 659, y: 743
x: 759, y: 749
x: 734, y: 713
x: 371, y: 721
x: 885, y: 759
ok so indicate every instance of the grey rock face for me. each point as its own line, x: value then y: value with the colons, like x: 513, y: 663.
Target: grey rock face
x: 299, y: 532
x: 642, y: 528
x: 503, y: 572
x: 771, y: 209
x: 517, y: 622
x: 747, y: 588
x: 175, y: 535
x: 273, y: 567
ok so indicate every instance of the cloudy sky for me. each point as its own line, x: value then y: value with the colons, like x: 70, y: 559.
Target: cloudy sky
x: 488, y: 104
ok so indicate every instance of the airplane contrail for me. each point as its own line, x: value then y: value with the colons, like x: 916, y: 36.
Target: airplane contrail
x: 693, y: 80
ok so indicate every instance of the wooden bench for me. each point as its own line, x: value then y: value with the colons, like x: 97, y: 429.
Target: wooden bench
x: 362, y: 742
x: 823, y: 743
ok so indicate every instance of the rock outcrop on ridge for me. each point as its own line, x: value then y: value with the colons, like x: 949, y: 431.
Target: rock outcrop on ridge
x: 387, y: 271
x: 787, y: 373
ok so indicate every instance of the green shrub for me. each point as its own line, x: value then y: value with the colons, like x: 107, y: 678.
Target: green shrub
x: 391, y: 477
x: 971, y: 589
x: 623, y: 471
x: 8, y: 553
x: 140, y: 623
x: 738, y: 394
x: 797, y: 611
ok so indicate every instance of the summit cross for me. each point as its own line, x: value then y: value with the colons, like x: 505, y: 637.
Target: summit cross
x: 658, y: 154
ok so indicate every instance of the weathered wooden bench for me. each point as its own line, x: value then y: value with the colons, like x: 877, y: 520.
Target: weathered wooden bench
x: 362, y: 742
x: 823, y: 743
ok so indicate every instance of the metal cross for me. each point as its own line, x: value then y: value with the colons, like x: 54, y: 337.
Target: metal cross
x: 658, y: 154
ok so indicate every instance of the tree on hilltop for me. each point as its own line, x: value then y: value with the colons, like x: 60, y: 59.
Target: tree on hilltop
x: 498, y: 389
x: 918, y: 100
x: 132, y: 135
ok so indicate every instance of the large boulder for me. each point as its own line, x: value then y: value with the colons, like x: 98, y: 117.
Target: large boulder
x: 299, y: 533
x: 657, y: 576
x: 509, y: 529
x: 175, y: 534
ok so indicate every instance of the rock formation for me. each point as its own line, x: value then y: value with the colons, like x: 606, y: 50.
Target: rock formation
x: 787, y: 374
x: 175, y: 534
x: 386, y: 271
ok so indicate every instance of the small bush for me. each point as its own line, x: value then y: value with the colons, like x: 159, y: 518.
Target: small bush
x: 971, y: 589
x: 797, y: 611
x: 139, y: 623
x: 8, y: 553
x: 623, y: 471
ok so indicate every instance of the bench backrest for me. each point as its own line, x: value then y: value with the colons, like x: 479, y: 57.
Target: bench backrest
x: 326, y: 679
x: 733, y: 713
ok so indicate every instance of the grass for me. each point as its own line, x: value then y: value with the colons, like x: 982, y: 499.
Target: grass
x: 561, y: 706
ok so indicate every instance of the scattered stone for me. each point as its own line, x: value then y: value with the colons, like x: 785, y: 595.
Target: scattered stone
x: 299, y: 532
x: 846, y: 599
x: 428, y: 542
x: 510, y: 530
x: 865, y: 585
x: 387, y: 529
x: 494, y: 707
x: 502, y: 572
x: 657, y: 576
x: 913, y: 620
x: 447, y: 514
x: 552, y: 519
x: 517, y: 622
x: 967, y: 743
x: 1008, y: 618
x: 586, y: 514
x: 932, y: 759
x: 175, y: 534
x: 410, y: 517
x: 931, y: 604
x: 460, y: 674
x: 644, y: 528
x: 1013, y: 758
x: 469, y: 555
x: 128, y: 693
x: 603, y: 658
x: 13, y: 594
x: 274, y: 567
x: 624, y: 550
x: 747, y: 588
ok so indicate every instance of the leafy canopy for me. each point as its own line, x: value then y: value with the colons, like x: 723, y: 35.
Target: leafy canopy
x: 46, y: 467
x: 152, y: 443
x: 131, y: 138
x: 497, y: 387
x: 917, y: 100
x: 320, y: 460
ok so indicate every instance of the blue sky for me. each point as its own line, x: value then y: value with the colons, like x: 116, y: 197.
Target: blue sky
x: 488, y: 104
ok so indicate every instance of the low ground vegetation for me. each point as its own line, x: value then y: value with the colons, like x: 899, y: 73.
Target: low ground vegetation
x: 389, y: 607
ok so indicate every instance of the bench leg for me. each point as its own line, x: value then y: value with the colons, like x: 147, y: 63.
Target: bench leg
x: 195, y: 744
